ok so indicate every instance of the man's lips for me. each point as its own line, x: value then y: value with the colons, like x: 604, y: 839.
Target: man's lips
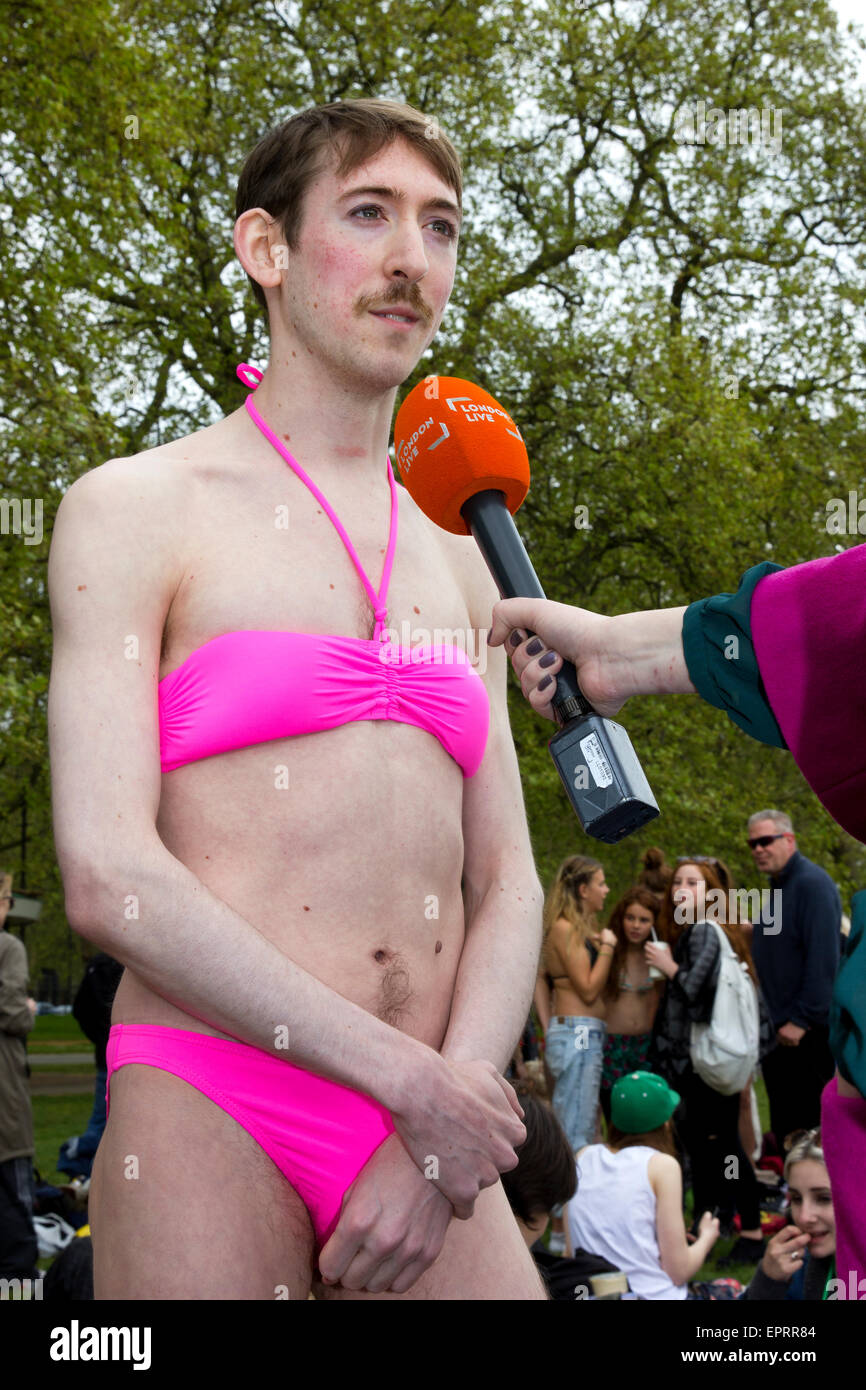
x: 400, y: 322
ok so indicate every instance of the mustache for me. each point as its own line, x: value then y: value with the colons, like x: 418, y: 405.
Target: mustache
x: 408, y: 295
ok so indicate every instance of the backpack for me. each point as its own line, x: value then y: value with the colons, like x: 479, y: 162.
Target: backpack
x: 724, y: 1052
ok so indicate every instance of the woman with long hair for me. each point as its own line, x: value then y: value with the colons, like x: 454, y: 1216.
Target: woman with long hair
x: 722, y: 1176
x: 632, y: 995
x: 576, y: 957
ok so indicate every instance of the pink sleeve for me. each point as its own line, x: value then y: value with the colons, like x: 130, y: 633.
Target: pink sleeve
x: 809, y: 634
x: 843, y: 1138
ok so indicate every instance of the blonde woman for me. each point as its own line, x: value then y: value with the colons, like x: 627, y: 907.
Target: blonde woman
x: 576, y: 957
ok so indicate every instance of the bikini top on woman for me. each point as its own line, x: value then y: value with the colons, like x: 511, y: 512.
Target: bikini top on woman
x: 248, y: 687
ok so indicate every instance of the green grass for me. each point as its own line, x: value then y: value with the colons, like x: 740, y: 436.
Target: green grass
x: 52, y: 1069
x: 56, y: 1118
x: 54, y: 1028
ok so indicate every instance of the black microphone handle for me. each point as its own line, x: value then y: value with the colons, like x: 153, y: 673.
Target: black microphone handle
x: 491, y: 523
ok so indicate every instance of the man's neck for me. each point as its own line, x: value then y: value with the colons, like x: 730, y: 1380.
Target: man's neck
x: 781, y: 874
x: 334, y: 429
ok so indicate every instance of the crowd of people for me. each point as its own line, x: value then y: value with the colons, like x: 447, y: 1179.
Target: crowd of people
x: 652, y: 1028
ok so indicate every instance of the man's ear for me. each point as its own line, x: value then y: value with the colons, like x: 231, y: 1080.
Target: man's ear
x: 260, y: 248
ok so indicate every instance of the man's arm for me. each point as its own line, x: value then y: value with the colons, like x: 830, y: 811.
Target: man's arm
x: 16, y: 1016
x: 503, y: 894
x: 492, y: 995
x: 112, y: 575
x: 821, y: 925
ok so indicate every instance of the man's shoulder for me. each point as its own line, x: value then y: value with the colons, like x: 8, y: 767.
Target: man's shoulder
x: 161, y: 473
x: 808, y: 871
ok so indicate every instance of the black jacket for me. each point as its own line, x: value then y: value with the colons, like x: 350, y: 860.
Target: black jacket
x: 688, y: 999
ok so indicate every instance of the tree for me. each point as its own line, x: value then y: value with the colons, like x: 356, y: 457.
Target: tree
x: 665, y: 299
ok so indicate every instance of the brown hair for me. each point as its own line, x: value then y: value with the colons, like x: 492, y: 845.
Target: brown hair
x: 545, y: 1174
x: 657, y: 872
x: 661, y: 1139
x: 671, y: 930
x: 564, y: 900
x: 279, y: 170
x: 646, y: 898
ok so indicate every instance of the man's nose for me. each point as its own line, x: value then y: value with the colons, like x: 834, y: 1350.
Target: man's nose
x: 406, y: 256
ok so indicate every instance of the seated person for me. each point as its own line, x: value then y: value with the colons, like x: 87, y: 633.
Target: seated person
x: 800, y: 1259
x: 629, y: 1201
x: 545, y: 1178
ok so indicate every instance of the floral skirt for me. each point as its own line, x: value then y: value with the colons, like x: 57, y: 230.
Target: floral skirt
x: 623, y: 1052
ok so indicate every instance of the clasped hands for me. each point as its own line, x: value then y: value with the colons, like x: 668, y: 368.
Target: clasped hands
x: 461, y: 1127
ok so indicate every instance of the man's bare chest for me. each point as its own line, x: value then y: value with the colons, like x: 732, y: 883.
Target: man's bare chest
x: 271, y: 563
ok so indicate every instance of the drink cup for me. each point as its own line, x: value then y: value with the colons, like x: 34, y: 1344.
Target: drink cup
x: 654, y: 972
x: 612, y: 1285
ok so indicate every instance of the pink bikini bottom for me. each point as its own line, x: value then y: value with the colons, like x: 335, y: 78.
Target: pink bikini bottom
x: 317, y: 1132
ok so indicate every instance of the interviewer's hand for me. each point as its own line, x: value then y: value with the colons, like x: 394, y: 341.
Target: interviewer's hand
x: 461, y: 1121
x: 572, y: 634
x: 391, y: 1228
x: 631, y: 654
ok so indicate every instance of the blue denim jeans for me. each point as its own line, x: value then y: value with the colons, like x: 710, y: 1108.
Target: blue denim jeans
x: 574, y: 1051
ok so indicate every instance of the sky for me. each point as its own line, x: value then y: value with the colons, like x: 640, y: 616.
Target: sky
x: 853, y: 10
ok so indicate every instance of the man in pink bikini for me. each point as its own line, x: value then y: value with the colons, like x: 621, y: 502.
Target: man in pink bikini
x: 306, y: 844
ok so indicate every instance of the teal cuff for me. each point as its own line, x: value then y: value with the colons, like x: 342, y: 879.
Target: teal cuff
x: 721, y: 661
x: 848, y: 1006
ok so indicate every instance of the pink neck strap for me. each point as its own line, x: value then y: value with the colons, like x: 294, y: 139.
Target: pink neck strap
x: 245, y: 371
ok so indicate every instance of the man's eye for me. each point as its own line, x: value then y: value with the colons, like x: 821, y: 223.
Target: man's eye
x: 450, y: 231
x: 447, y: 228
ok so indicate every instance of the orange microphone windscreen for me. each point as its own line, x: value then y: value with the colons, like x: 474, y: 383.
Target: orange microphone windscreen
x: 452, y: 440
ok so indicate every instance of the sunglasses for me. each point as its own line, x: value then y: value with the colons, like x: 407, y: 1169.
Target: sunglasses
x: 764, y: 840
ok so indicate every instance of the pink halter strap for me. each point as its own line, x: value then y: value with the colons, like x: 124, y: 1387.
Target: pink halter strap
x: 245, y: 371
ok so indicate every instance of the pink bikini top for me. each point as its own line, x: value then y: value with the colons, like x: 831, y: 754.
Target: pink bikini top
x: 251, y: 686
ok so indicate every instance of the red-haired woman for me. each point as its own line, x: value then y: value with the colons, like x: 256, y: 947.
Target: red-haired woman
x: 722, y: 1176
x: 632, y: 996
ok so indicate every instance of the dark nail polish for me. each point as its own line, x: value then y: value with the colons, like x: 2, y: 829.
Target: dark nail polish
x: 548, y: 659
x: 515, y: 639
x: 535, y: 646
x: 542, y: 685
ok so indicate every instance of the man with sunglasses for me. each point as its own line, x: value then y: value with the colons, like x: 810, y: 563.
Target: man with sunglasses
x: 18, y: 1248
x: 796, y: 955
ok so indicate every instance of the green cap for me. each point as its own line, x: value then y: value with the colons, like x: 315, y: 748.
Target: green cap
x: 641, y: 1101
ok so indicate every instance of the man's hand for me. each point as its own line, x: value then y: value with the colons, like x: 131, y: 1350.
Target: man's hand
x: 391, y: 1228
x: 462, y: 1125
x: 789, y: 1034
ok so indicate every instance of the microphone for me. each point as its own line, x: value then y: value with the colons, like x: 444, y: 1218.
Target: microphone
x: 463, y: 460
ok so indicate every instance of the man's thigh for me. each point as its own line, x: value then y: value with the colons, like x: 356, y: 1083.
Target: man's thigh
x: 184, y: 1204
x: 482, y: 1258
